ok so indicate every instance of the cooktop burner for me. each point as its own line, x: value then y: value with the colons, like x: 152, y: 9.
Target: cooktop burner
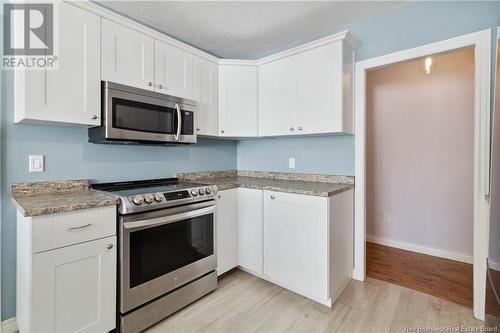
x: 144, y: 195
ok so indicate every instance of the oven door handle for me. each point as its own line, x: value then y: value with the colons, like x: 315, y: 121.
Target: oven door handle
x: 141, y: 224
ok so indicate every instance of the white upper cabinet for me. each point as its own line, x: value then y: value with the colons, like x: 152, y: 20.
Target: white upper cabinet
x: 277, y: 97
x: 205, y: 91
x: 71, y: 93
x: 238, y: 97
x: 319, y: 86
x: 308, y: 91
x: 173, y: 70
x: 127, y: 56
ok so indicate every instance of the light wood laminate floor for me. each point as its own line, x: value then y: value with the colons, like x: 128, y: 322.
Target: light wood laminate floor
x: 245, y: 303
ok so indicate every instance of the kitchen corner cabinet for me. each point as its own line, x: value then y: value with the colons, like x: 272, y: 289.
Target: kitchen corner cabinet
x: 250, y: 230
x: 307, y: 243
x: 66, y: 271
x: 238, y: 92
x: 205, y: 91
x: 173, y: 70
x: 310, y: 92
x: 127, y: 56
x: 227, y: 230
x: 71, y: 93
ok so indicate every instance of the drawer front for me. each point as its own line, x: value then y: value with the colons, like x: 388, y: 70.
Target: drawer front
x: 59, y: 230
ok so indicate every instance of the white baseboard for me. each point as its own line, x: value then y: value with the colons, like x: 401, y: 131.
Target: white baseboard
x: 494, y: 265
x: 432, y: 251
x: 10, y: 325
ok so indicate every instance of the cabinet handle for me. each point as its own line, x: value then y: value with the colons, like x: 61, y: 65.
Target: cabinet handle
x: 222, y: 131
x: 272, y: 197
x: 83, y: 227
x: 94, y: 117
x: 292, y: 129
x: 150, y: 83
x: 218, y: 197
x: 160, y: 86
x: 109, y: 247
x: 198, y: 129
x: 300, y: 128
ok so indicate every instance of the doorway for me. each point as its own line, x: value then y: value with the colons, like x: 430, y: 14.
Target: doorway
x: 420, y: 174
x: 481, y: 43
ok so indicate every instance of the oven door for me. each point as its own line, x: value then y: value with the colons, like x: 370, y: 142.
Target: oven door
x: 163, y: 250
x: 137, y: 115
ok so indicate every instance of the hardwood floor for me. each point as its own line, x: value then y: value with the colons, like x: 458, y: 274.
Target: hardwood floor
x: 245, y: 303
x: 443, y: 278
x: 492, y: 306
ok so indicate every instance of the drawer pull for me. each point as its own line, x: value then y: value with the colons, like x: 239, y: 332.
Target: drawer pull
x: 83, y: 227
x: 109, y: 247
x: 272, y: 197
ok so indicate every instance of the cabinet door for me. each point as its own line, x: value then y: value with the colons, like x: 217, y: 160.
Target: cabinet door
x: 227, y: 230
x: 205, y: 84
x: 250, y: 229
x: 74, y: 288
x: 238, y: 101
x: 127, y: 56
x: 278, y: 97
x: 173, y: 71
x: 320, y: 90
x: 71, y: 93
x: 296, y: 243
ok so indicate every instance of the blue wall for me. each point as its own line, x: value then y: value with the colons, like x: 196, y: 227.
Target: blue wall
x: 401, y: 28
x: 68, y: 155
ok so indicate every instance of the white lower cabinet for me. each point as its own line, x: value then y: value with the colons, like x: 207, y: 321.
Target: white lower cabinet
x: 70, y: 288
x: 227, y: 230
x: 250, y: 229
x: 74, y: 288
x: 303, y: 243
x: 296, y: 243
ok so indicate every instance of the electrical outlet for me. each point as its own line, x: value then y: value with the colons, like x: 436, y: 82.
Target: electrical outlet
x: 291, y: 162
x: 36, y: 163
x: 387, y: 217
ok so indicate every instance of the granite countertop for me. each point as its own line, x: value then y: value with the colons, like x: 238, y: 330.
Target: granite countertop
x: 317, y: 185
x: 34, y: 199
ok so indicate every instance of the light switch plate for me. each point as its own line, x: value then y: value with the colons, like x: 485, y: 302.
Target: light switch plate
x: 36, y: 163
x: 291, y: 162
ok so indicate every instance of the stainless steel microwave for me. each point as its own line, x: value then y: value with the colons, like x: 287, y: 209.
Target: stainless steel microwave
x: 137, y: 116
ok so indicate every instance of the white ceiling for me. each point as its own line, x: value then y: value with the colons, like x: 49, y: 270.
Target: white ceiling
x: 247, y: 29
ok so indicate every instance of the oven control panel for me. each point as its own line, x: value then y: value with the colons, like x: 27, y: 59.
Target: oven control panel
x: 160, y: 198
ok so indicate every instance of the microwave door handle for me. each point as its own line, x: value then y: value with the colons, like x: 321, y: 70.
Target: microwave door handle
x: 179, y: 122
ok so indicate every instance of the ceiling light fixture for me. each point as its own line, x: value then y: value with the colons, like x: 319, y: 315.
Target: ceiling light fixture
x: 428, y: 65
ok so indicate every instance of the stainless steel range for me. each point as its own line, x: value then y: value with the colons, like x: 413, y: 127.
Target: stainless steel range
x: 166, y: 236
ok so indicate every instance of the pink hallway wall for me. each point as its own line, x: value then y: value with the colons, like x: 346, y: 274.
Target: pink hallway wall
x: 495, y: 176
x: 420, y: 136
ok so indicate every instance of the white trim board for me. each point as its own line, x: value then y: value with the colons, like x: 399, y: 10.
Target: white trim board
x: 481, y: 41
x: 432, y: 251
x: 10, y: 325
